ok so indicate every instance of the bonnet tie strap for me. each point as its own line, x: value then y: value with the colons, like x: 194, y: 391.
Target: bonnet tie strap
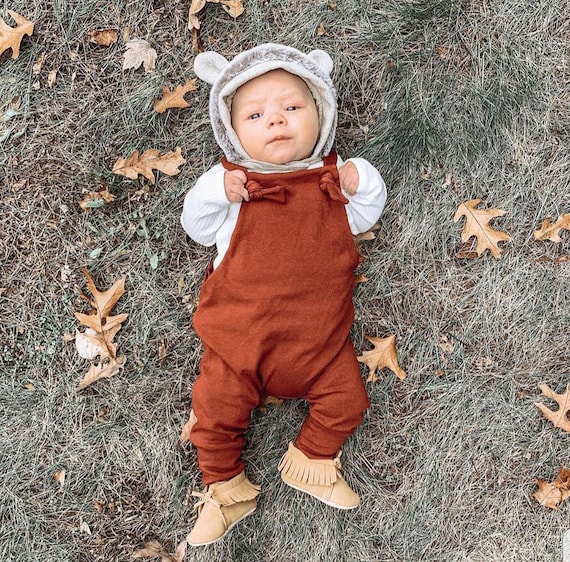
x: 257, y: 192
x: 329, y: 186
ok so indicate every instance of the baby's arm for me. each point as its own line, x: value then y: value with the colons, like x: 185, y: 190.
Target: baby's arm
x: 366, y: 193
x: 206, y: 207
x: 234, y: 185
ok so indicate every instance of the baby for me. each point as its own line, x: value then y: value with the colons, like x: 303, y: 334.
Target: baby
x: 275, y: 309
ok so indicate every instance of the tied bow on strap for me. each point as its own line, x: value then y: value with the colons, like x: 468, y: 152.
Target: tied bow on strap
x: 328, y: 185
x: 256, y: 192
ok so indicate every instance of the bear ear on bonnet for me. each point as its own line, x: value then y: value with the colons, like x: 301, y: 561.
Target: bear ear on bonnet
x: 322, y: 60
x: 208, y: 66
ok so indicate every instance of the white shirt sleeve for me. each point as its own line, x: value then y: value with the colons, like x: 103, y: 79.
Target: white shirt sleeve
x: 206, y: 207
x: 366, y: 205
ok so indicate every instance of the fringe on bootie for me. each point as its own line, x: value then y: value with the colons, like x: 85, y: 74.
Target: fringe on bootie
x: 320, y: 478
x: 238, y: 489
x: 320, y: 472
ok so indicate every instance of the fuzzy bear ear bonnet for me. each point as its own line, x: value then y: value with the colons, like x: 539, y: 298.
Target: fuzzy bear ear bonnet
x: 227, y: 76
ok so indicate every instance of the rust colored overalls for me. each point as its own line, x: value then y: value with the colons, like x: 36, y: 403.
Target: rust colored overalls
x: 275, y: 318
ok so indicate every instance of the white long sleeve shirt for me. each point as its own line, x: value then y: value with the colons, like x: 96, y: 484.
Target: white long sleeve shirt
x: 209, y: 218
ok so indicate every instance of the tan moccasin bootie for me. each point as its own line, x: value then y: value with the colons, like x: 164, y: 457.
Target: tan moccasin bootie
x: 319, y: 478
x: 221, y: 506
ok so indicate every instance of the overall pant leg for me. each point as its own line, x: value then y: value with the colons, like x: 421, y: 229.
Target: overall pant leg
x: 222, y: 400
x: 337, y: 401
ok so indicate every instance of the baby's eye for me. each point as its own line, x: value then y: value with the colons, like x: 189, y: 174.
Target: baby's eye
x: 254, y: 116
x: 292, y: 108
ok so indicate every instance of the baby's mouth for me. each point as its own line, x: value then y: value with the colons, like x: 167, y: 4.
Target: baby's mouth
x: 279, y: 138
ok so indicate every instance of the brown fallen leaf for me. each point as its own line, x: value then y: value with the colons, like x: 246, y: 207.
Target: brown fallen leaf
x: 442, y: 51
x: 11, y: 37
x: 360, y: 279
x: 195, y: 7
x: 139, y: 51
x: 560, y: 418
x: 174, y: 98
x: 383, y: 355
x: 51, y: 78
x: 550, y: 494
x: 96, y: 343
x: 233, y: 7
x: 153, y: 549
x: 102, y: 414
x: 267, y: 401
x: 134, y: 165
x: 38, y: 65
x: 103, y: 370
x: 368, y: 235
x: 59, y: 477
x: 96, y: 199
x: 103, y: 37
x: 187, y: 429
x: 551, y: 231
x: 477, y: 224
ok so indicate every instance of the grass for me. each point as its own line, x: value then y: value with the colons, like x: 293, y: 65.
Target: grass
x: 445, y: 460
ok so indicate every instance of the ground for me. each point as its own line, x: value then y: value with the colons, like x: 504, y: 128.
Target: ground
x: 451, y: 101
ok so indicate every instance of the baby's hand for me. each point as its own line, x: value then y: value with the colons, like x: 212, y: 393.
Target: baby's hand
x: 349, y: 179
x: 234, y: 184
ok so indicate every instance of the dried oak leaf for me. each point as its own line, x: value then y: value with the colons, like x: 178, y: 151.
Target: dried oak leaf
x: 477, y: 224
x: 360, y: 279
x: 52, y: 77
x: 174, y: 98
x: 383, y: 355
x: 103, y: 37
x: 551, y: 231
x: 11, y: 37
x: 233, y: 7
x: 550, y: 494
x: 368, y: 235
x: 96, y: 343
x: 187, y: 429
x: 96, y: 199
x: 153, y: 549
x: 195, y: 7
x: 134, y: 165
x: 59, y: 477
x: 560, y: 418
x: 139, y: 51
x: 267, y: 401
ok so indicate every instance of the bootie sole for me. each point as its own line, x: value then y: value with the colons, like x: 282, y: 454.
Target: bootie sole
x: 222, y: 536
x: 327, y: 502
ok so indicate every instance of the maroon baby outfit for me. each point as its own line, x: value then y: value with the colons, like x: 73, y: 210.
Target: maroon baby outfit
x: 275, y: 318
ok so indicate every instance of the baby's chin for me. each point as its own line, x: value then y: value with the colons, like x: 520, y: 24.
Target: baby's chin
x: 279, y: 160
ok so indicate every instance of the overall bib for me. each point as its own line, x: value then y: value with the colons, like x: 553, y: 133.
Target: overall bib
x: 275, y: 318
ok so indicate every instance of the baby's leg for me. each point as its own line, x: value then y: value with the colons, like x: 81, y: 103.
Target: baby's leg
x: 222, y: 401
x: 337, y: 401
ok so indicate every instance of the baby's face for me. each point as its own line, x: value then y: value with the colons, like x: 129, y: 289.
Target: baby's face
x: 275, y: 118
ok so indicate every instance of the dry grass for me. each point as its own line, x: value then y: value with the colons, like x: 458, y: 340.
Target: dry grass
x: 445, y: 461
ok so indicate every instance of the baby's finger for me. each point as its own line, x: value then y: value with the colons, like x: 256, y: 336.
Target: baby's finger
x: 241, y: 175
x: 238, y: 193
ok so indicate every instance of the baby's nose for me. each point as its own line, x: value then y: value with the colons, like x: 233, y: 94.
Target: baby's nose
x: 276, y: 119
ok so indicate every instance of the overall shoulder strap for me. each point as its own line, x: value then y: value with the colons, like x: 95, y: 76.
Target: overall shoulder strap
x: 231, y: 166
x: 330, y: 159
